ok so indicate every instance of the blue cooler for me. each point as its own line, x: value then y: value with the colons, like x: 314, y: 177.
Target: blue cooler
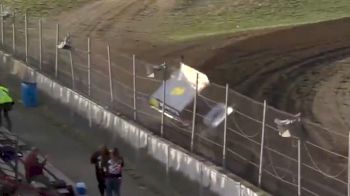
x: 29, y: 93
x: 81, y: 188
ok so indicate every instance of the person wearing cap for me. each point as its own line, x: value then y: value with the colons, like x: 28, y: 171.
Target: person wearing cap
x: 6, y: 103
x: 99, y: 159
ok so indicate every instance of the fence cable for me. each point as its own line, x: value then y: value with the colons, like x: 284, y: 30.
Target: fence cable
x: 209, y: 140
x: 240, y: 134
x: 281, y: 179
x: 122, y: 69
x: 273, y: 167
x: 243, y: 158
x: 335, y: 176
x: 249, y: 117
x: 241, y: 130
x: 307, y: 121
x: 326, y: 150
x: 178, y: 127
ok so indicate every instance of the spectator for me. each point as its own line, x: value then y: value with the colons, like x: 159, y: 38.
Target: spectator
x: 99, y: 159
x: 34, y: 169
x: 6, y: 103
x: 114, y: 173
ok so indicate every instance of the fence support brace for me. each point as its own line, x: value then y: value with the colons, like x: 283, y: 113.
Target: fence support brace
x: 262, y: 144
x: 14, y: 38
x: 164, y: 100
x: 40, y: 45
x: 89, y: 78
x: 194, y: 115
x: 56, y: 47
x: 26, y: 35
x: 224, y: 149
x: 72, y: 69
x: 110, y: 73
x: 134, y: 84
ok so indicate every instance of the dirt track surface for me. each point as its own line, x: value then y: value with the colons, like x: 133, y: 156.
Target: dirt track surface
x: 294, y: 68
x: 300, y: 69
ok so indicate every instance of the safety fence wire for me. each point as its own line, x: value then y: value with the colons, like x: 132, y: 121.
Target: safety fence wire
x: 323, y: 159
x: 20, y: 36
x: 48, y: 46
x: 240, y: 129
x: 8, y: 34
x: 33, y: 44
x: 209, y: 119
x: 123, y: 97
x: 315, y: 179
x: 285, y: 168
x: 80, y: 70
x: 336, y: 175
x: 246, y: 116
x: 280, y: 154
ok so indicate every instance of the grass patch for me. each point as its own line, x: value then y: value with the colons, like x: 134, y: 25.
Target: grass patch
x: 41, y: 7
x: 194, y: 18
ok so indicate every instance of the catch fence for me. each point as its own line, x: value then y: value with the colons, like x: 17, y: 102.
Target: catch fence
x: 246, y: 142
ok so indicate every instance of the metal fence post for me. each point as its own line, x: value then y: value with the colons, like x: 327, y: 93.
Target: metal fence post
x: 299, y: 167
x: 349, y: 164
x: 164, y: 67
x: 110, y: 73
x: 56, y: 52
x: 194, y: 114
x: 72, y: 69
x: 225, y: 129
x: 26, y: 34
x: 2, y: 24
x: 134, y: 84
x: 40, y: 45
x: 89, y: 66
x: 14, y: 38
x: 89, y: 80
x: 262, y: 143
x: 163, y: 109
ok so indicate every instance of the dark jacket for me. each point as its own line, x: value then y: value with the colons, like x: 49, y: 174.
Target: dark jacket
x: 100, y: 161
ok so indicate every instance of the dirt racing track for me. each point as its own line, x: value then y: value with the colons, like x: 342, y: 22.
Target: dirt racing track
x: 296, y: 69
